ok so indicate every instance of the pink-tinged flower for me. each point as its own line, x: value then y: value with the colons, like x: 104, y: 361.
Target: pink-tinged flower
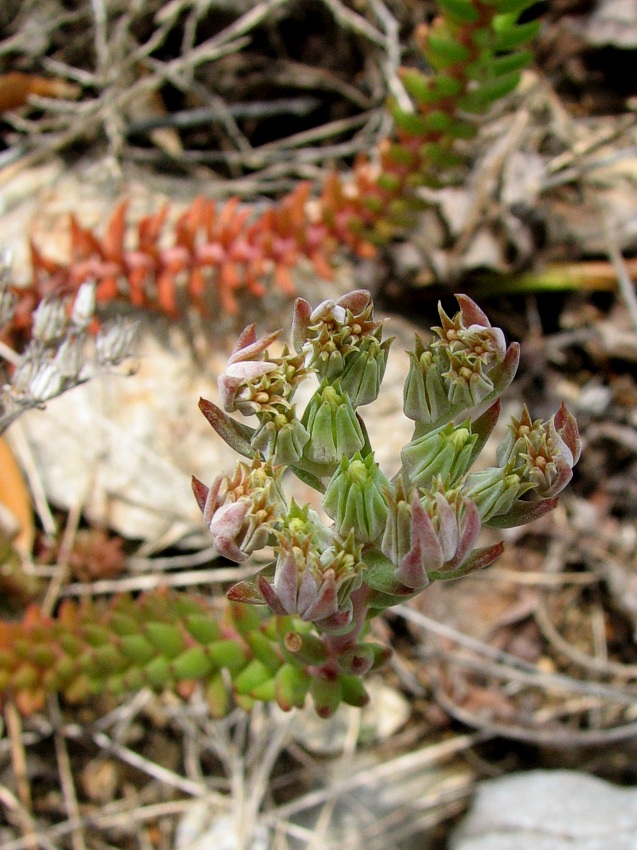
x: 240, y: 510
x: 432, y: 537
x: 468, y: 366
x: 313, y: 580
x: 246, y: 367
x: 543, y: 453
x: 332, y: 334
x: 551, y: 458
x: 254, y: 382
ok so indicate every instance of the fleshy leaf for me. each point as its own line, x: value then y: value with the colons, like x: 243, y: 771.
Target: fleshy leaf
x: 247, y: 591
x: 235, y: 434
x: 521, y: 513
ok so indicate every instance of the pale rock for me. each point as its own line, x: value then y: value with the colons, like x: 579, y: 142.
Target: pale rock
x: 549, y: 810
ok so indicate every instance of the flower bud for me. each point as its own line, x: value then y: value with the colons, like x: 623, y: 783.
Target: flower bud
x: 50, y: 320
x: 115, y: 342
x: 311, y: 579
x: 8, y: 300
x: 333, y: 330
x: 355, y: 498
x: 544, y: 453
x: 83, y: 310
x: 253, y: 381
x: 331, y: 422
x: 467, y: 366
x: 364, y: 371
x: 443, y: 530
x: 445, y: 452
x: 494, y: 490
x: 240, y: 510
x: 424, y: 394
x: 280, y: 438
x: 46, y: 383
x: 69, y: 358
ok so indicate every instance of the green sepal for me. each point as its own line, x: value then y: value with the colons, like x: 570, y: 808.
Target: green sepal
x: 235, y: 434
x: 64, y: 669
x: 484, y: 38
x: 264, y: 649
x: 382, y: 654
x: 441, y: 157
x: 133, y: 679
x: 166, y: 638
x: 511, y: 36
x: 157, y: 672
x: 194, y: 663
x: 187, y: 606
x: 137, y: 648
x: 202, y: 628
x: 439, y: 121
x: 353, y: 691
x: 25, y: 677
x: 291, y: 686
x: 462, y: 130
x: 217, y: 696
x: 255, y: 673
x: 326, y: 694
x: 375, y: 204
x: 243, y: 701
x: 462, y: 11
x: 80, y: 689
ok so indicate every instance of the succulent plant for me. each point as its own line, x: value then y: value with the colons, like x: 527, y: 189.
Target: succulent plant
x: 300, y: 624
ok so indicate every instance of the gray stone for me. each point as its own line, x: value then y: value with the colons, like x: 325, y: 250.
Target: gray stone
x: 549, y: 810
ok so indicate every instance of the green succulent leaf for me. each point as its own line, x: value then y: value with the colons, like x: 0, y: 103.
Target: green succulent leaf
x: 194, y: 663
x: 443, y: 51
x: 513, y: 7
x: 509, y: 36
x: 462, y: 11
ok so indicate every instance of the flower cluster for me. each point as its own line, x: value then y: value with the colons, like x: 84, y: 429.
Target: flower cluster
x: 384, y: 540
x: 303, y: 633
